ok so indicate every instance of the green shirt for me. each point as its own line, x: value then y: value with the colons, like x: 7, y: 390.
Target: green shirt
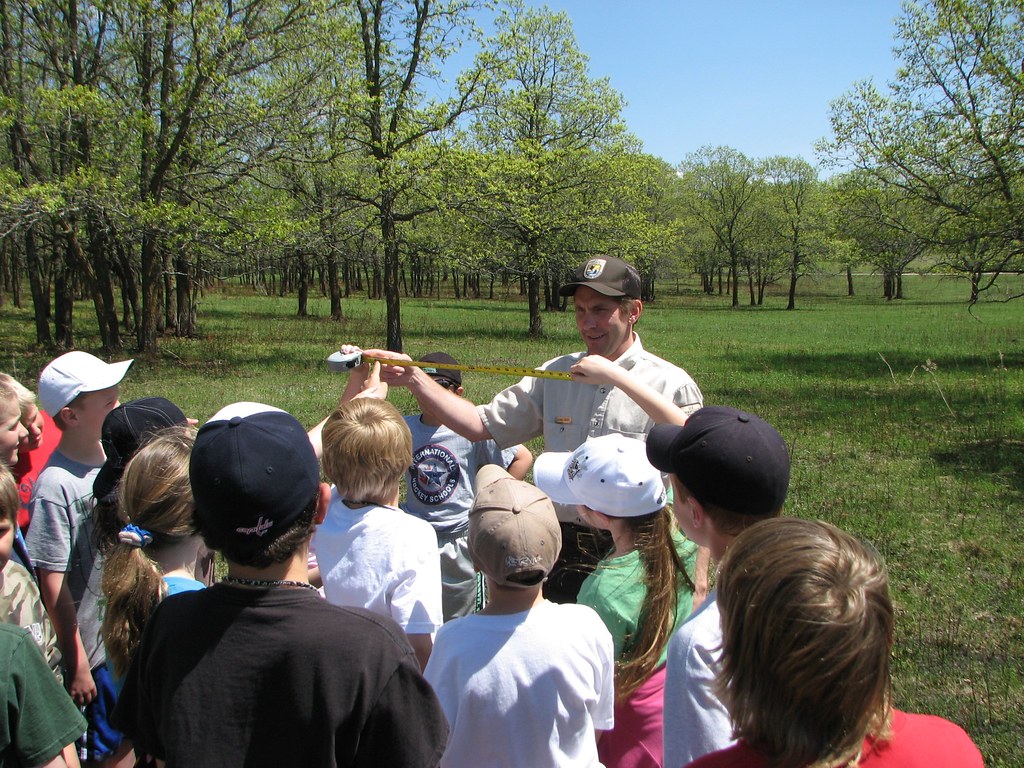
x: 39, y: 719
x: 616, y: 591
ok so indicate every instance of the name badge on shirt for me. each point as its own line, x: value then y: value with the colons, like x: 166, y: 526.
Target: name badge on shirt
x: 563, y: 419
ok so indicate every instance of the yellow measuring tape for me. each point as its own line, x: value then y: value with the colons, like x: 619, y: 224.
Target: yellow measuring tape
x: 339, y: 362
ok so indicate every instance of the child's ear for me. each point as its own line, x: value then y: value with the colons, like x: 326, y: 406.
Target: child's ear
x: 67, y: 414
x: 323, y: 501
x: 459, y: 391
x: 697, y: 511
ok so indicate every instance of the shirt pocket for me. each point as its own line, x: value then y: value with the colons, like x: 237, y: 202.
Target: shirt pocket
x: 563, y: 437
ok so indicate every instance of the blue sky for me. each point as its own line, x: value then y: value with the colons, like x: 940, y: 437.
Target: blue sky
x: 755, y: 75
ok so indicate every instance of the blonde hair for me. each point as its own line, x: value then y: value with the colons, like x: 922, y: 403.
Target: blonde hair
x: 8, y: 394
x: 664, y: 575
x: 26, y: 400
x: 154, y: 495
x: 807, y: 626
x: 9, y: 499
x: 367, y: 450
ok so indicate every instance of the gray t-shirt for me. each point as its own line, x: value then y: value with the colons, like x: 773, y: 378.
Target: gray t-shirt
x: 442, y: 478
x: 60, y: 539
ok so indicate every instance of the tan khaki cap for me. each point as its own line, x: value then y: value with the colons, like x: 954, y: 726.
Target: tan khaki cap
x: 514, y: 536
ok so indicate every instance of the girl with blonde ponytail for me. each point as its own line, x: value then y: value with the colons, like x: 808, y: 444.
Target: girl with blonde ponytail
x: 155, y: 552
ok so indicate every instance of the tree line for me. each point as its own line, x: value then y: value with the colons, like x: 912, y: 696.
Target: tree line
x: 154, y: 148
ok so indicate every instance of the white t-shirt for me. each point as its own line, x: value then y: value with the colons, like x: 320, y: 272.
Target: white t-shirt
x: 524, y: 689
x: 696, y: 720
x: 381, y: 559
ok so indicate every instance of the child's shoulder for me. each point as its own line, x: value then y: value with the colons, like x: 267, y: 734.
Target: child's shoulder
x: 574, y: 617
x: 16, y: 584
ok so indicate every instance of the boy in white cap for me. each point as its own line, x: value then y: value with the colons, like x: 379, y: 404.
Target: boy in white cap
x: 77, y: 390
x: 525, y: 681
x: 259, y: 670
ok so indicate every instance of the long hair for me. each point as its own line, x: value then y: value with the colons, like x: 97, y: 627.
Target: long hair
x: 155, y: 495
x: 807, y: 626
x: 664, y: 575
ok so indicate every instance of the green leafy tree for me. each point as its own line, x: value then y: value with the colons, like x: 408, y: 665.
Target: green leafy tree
x: 949, y: 130
x: 721, y: 194
x: 396, y: 123
x: 554, y: 151
x: 793, y: 192
x: 884, y: 222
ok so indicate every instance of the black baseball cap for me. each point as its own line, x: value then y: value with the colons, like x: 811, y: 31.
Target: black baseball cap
x: 725, y: 457
x: 125, y: 430
x: 450, y: 375
x: 607, y: 275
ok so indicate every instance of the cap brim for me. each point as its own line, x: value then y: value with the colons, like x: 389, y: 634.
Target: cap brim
x: 490, y: 473
x: 570, y: 288
x: 106, y: 481
x: 111, y: 376
x: 660, y: 441
x: 242, y: 410
x: 549, y: 476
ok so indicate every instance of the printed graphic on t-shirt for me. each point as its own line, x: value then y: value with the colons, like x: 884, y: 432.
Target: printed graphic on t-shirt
x: 434, y: 474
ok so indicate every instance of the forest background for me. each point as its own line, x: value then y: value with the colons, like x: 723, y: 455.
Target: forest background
x: 182, y: 173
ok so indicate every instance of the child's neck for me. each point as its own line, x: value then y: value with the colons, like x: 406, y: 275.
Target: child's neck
x: 382, y: 501
x: 179, y: 560
x: 429, y: 421
x: 502, y: 601
x: 622, y: 536
x: 84, y: 449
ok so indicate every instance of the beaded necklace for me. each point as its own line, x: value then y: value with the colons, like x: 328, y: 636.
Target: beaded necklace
x: 267, y: 583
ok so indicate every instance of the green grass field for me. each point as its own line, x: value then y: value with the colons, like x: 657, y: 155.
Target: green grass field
x: 905, y: 421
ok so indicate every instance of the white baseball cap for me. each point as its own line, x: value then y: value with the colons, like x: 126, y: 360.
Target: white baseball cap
x: 73, y: 373
x: 609, y: 474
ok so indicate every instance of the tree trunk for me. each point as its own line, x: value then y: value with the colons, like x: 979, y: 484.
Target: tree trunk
x: 63, y: 318
x: 151, y: 267
x: 334, y: 287
x: 392, y: 295
x: 734, y: 276
x: 849, y: 281
x: 99, y: 250
x: 533, y: 299
x: 791, y: 304
x: 37, y: 287
x: 185, y: 325
x: 303, y: 285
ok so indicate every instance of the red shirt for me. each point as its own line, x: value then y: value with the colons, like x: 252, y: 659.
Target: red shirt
x: 31, y: 463
x: 918, y: 741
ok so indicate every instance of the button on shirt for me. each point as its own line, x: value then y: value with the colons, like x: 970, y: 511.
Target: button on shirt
x: 567, y: 413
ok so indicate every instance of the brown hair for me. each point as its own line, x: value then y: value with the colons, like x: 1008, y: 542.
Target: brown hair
x: 664, y: 574
x: 807, y: 626
x: 154, y: 495
x: 367, y: 449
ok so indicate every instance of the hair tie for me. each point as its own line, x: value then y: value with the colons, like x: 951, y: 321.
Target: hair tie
x: 134, y: 536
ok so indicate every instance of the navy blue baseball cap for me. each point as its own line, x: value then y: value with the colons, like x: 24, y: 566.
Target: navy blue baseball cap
x: 253, y: 473
x: 725, y: 457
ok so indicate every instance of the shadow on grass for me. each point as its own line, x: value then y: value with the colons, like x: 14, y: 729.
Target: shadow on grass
x: 998, y: 456
x: 866, y: 365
